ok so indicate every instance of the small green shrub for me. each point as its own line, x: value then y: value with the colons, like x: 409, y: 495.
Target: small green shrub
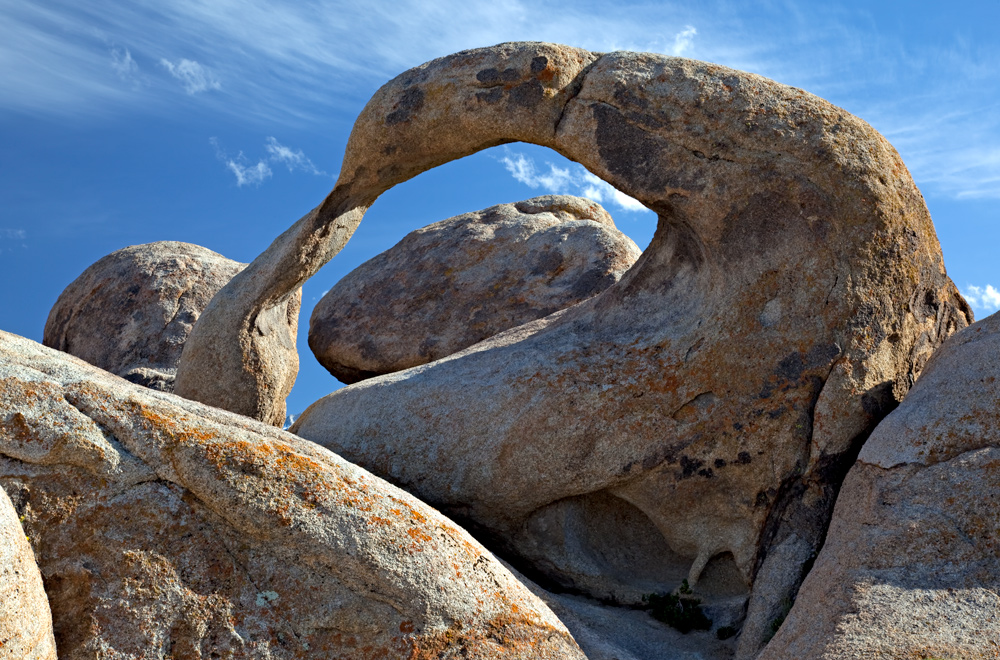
x: 776, y: 624
x: 678, y: 610
x: 725, y: 632
x: 786, y: 607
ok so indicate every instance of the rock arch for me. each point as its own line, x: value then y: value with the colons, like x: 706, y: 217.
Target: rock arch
x: 792, y: 292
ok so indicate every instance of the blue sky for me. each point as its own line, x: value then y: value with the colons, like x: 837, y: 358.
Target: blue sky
x: 222, y: 122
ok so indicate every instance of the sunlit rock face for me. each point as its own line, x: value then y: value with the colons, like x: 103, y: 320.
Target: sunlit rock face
x: 131, y: 311
x: 166, y: 528
x: 720, y: 390
x: 911, y: 565
x: 456, y: 282
x: 25, y: 618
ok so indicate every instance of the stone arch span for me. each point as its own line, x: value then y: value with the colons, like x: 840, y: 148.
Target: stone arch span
x: 668, y: 131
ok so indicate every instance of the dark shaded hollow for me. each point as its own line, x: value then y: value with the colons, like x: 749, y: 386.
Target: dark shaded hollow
x: 722, y: 578
x: 603, y: 546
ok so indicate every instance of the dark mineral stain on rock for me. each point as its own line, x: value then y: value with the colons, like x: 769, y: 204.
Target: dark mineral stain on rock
x: 629, y: 152
x: 548, y: 262
x: 592, y: 280
x: 690, y: 466
x: 527, y: 95
x: 539, y: 63
x: 491, y: 96
x: 791, y: 367
x: 410, y: 102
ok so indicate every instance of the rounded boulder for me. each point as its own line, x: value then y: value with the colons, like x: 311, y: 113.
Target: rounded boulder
x: 457, y: 282
x: 131, y: 311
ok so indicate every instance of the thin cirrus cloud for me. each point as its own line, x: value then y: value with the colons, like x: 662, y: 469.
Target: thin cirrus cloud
x: 291, y: 63
x: 985, y: 298
x: 250, y: 173
x: 124, y: 66
x: 570, y: 180
x: 9, y: 236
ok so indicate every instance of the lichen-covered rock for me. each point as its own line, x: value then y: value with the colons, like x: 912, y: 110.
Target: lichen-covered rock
x: 166, y: 528
x: 25, y: 619
x: 131, y: 311
x: 911, y: 565
x: 458, y: 281
x: 718, y: 392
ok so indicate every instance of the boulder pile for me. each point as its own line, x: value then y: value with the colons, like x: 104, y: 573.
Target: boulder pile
x: 772, y: 435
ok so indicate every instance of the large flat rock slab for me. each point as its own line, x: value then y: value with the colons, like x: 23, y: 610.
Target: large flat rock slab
x: 457, y: 282
x: 166, y: 528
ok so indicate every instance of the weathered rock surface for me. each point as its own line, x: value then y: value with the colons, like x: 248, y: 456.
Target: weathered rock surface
x: 25, y: 619
x: 911, y: 565
x: 717, y: 394
x: 458, y: 281
x: 165, y: 528
x: 131, y: 311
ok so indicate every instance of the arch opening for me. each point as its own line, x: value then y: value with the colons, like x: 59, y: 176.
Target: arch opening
x: 504, y: 174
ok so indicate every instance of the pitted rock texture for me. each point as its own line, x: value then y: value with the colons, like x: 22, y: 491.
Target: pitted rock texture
x: 25, y: 619
x: 165, y: 528
x: 131, y: 311
x: 718, y: 393
x: 911, y: 566
x: 459, y: 281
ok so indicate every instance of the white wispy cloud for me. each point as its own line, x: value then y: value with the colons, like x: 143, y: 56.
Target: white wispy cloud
x: 292, y: 62
x: 571, y: 180
x: 683, y: 40
x: 12, y: 236
x: 293, y: 160
x: 522, y: 168
x: 246, y: 174
x: 601, y: 191
x: 983, y: 298
x: 256, y: 173
x: 193, y: 76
